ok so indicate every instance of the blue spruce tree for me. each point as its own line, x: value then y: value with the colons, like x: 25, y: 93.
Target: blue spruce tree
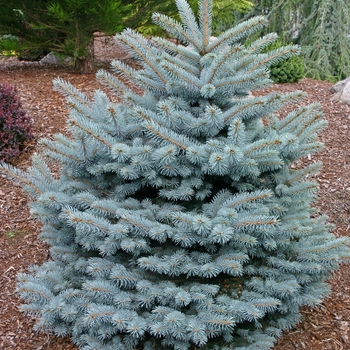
x: 178, y: 220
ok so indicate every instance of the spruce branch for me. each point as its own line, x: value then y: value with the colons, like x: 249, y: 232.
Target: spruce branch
x: 167, y: 136
x: 88, y: 131
x: 193, y: 70
x: 237, y: 33
x: 142, y: 47
x: 189, y: 21
x: 19, y: 176
x: 59, y: 153
x: 261, y: 145
x: 205, y: 20
x: 69, y: 90
x: 275, y: 56
x: 126, y: 72
x: 182, y: 51
x: 175, y: 29
x: 260, y: 44
x: 241, y: 82
x: 298, y: 175
x: 241, y: 200
x: 220, y: 61
x: 175, y: 72
x: 292, y: 120
x: 112, y: 82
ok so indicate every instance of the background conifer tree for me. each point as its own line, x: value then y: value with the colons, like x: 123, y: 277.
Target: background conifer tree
x: 65, y: 27
x: 177, y: 220
x: 320, y: 27
x: 140, y: 15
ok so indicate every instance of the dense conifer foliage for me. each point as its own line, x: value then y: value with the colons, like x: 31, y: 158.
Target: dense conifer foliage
x: 289, y: 70
x: 321, y: 27
x: 32, y: 29
x: 178, y: 219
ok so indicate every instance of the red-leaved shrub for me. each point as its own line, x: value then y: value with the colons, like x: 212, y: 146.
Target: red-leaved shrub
x: 15, y: 124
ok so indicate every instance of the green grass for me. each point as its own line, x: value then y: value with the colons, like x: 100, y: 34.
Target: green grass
x: 11, y: 234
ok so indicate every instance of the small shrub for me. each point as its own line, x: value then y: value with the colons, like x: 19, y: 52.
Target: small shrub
x: 9, y: 45
x: 15, y: 124
x: 290, y: 70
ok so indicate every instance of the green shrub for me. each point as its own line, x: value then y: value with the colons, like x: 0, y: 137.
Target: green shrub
x: 9, y: 45
x: 289, y: 70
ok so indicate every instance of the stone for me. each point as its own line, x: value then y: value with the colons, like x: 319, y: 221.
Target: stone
x: 340, y: 85
x: 50, y: 58
x: 342, y: 91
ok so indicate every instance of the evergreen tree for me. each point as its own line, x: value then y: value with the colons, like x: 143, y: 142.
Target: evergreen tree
x: 178, y: 220
x: 140, y: 19
x: 283, y: 16
x: 321, y: 27
x: 324, y: 35
x: 66, y: 27
x: 17, y: 36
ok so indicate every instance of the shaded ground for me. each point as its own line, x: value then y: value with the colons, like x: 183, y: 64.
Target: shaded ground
x: 326, y: 327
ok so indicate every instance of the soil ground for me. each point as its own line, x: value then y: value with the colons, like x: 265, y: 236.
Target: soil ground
x: 326, y: 327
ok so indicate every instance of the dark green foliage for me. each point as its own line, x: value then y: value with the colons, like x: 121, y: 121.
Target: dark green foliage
x: 15, y: 125
x: 289, y: 70
x: 178, y: 219
x: 16, y: 20
x: 325, y: 39
x: 9, y: 45
x: 140, y: 16
x: 66, y: 27
x: 320, y: 27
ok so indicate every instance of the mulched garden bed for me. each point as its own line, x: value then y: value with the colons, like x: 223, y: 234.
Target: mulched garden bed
x: 326, y: 327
